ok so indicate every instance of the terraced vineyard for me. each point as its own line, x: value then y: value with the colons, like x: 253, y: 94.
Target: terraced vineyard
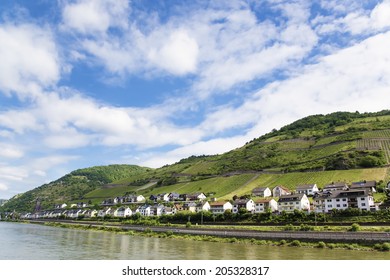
x: 377, y: 140
x: 321, y: 178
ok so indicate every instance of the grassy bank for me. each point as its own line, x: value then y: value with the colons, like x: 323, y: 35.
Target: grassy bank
x: 147, y: 232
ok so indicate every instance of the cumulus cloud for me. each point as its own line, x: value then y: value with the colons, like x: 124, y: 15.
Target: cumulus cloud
x: 10, y: 151
x: 29, y: 59
x: 3, y: 187
x: 357, y: 20
x: 91, y: 17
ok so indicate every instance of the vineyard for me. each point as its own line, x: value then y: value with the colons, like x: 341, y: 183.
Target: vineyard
x: 321, y: 178
x: 375, y: 145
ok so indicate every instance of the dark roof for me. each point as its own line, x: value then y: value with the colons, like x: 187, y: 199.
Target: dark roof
x: 240, y: 201
x: 260, y: 189
x: 305, y: 187
x: 336, y: 185
x: 364, y: 184
x: 343, y: 194
x: 291, y: 197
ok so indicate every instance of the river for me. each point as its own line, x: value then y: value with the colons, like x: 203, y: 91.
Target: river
x: 37, y: 242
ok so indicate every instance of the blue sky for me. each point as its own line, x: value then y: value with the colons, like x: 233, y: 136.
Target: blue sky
x: 97, y: 82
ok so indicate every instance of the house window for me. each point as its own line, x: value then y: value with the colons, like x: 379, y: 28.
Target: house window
x: 329, y: 206
x: 344, y: 199
x: 338, y: 199
x: 362, y: 198
x: 338, y: 205
x: 344, y: 205
x: 363, y: 204
x: 329, y: 200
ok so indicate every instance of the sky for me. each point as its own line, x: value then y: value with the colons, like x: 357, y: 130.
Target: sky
x: 98, y: 82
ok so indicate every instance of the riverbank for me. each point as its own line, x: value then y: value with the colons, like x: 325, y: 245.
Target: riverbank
x: 365, y: 241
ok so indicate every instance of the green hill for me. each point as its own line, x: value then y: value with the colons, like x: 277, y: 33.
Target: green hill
x: 71, y: 187
x: 320, y: 149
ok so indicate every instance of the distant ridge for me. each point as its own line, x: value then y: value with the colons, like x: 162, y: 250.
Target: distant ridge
x: 341, y: 141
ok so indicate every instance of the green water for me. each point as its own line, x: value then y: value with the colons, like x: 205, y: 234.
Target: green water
x: 37, y: 242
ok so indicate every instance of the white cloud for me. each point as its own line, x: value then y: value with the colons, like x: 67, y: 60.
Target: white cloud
x: 91, y: 17
x: 10, y: 151
x: 13, y: 173
x: 29, y: 59
x: 357, y: 20
x: 3, y: 187
x: 380, y: 15
x: 178, y: 55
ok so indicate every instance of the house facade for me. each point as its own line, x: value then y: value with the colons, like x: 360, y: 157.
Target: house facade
x: 289, y: 203
x: 262, y: 205
x: 248, y: 204
x: 341, y: 200
x: 123, y: 212
x: 219, y: 207
x: 308, y: 189
x: 279, y: 191
x: 262, y: 192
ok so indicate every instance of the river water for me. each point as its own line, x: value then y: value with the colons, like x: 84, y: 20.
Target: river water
x: 38, y: 242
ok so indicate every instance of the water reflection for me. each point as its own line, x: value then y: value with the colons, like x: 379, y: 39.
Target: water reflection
x: 25, y: 241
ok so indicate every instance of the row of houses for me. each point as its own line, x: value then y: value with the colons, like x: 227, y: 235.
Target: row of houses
x: 311, y: 189
x: 337, y: 195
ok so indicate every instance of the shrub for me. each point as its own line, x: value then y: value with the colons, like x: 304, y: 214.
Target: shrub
x: 296, y: 243
x: 306, y: 228
x: 385, y: 247
x: 354, y: 227
x: 282, y: 242
x: 188, y: 224
x: 289, y: 227
x: 331, y: 246
x: 321, y: 244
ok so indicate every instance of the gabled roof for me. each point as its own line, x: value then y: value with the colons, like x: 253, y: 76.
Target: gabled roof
x: 364, y: 184
x: 241, y: 201
x: 283, y: 188
x: 263, y: 200
x: 218, y: 203
x: 291, y: 197
x: 259, y: 189
x: 305, y: 187
x: 336, y: 185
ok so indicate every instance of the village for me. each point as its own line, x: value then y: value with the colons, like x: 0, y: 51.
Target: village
x: 307, y: 198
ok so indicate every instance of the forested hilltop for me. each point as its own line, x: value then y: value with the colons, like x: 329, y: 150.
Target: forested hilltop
x: 339, y: 146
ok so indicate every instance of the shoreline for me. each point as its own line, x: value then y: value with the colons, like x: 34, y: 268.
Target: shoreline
x: 319, y: 240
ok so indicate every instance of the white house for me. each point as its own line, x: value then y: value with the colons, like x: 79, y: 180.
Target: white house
x: 308, y: 189
x: 262, y: 191
x: 219, y: 207
x: 279, y: 191
x: 122, y: 212
x: 104, y: 212
x: 262, y: 205
x: 144, y: 210
x: 157, y: 210
x: 202, y: 206
x: 196, y: 196
x: 248, y: 204
x: 341, y: 200
x: 289, y: 203
x: 163, y: 196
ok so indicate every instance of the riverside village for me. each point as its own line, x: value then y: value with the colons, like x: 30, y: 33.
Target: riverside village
x: 309, y: 198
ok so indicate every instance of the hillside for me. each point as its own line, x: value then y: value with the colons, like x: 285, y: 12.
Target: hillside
x: 72, y: 186
x: 318, y: 149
